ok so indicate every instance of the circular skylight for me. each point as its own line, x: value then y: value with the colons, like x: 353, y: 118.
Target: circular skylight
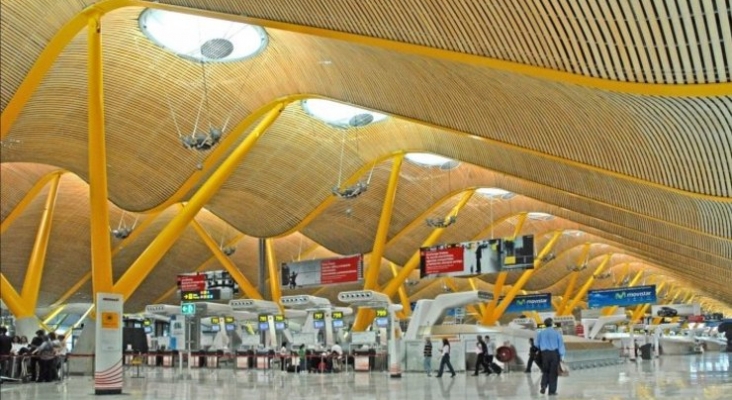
x: 339, y: 114
x: 539, y: 216
x: 200, y: 38
x: 431, y: 160
x: 495, y: 193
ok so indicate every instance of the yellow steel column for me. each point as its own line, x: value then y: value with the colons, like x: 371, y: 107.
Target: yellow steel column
x: 34, y: 273
x: 139, y: 269
x: 12, y: 299
x: 274, y: 276
x: 574, y: 275
x: 501, y: 280
x: 226, y: 262
x: 413, y: 262
x: 525, y: 276
x: 611, y: 310
x: 583, y: 291
x: 402, y: 293
x: 481, y: 306
x: 27, y: 199
x: 101, y: 255
x: 382, y: 231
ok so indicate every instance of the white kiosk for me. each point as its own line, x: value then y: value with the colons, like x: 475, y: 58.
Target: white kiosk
x: 428, y: 313
x: 313, y: 306
x: 379, y: 301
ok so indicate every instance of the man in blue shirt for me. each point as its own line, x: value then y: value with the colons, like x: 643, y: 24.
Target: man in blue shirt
x: 551, y: 344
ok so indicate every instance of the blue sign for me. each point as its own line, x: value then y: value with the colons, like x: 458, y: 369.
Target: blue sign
x: 621, y: 296
x: 531, y: 302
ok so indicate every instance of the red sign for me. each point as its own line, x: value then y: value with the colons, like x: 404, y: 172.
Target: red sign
x: 192, y: 283
x: 695, y: 318
x: 443, y: 261
x: 340, y: 270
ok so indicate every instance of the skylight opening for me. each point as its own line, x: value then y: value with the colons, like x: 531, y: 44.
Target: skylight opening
x: 202, y: 39
x: 495, y: 193
x: 539, y: 216
x: 339, y: 114
x: 431, y: 160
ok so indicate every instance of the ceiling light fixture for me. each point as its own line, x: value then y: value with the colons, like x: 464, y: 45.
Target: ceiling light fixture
x: 539, y: 216
x: 495, y: 193
x: 200, y: 38
x: 430, y: 160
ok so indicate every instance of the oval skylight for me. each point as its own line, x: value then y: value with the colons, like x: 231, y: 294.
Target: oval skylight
x: 339, y: 114
x: 495, y: 193
x: 200, y: 38
x: 431, y: 160
x: 539, y: 216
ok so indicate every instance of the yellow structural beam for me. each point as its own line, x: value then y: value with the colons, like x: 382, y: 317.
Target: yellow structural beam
x: 402, y: 293
x: 28, y: 198
x: 611, y: 310
x: 583, y: 290
x: 139, y: 269
x: 413, y: 262
x: 34, y: 273
x: 450, y: 282
x: 372, y: 272
x: 573, y: 276
x: 525, y: 276
x: 12, y: 299
x: 274, y: 273
x: 101, y: 254
x: 481, y: 306
x: 501, y: 279
x: 226, y: 262
x: 56, y: 311
x: 121, y: 245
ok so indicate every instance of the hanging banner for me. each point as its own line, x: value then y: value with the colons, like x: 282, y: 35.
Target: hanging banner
x: 108, y: 347
x: 531, y: 302
x: 207, y: 285
x: 466, y: 258
x: 621, y: 296
x: 298, y: 274
x: 676, y: 310
x: 518, y: 254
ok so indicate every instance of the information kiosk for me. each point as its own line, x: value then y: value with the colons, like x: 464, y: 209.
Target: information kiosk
x: 385, y: 318
x: 320, y: 321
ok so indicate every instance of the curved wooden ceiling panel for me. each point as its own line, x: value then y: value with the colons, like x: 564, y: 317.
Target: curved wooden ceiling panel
x: 651, y: 175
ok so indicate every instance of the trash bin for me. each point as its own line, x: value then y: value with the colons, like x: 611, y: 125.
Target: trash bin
x: 646, y: 350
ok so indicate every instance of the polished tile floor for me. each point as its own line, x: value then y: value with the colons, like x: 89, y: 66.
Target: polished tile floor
x: 705, y: 376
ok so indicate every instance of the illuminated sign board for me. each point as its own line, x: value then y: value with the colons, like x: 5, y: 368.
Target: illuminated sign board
x: 208, y: 285
x: 188, y: 308
x: 279, y: 318
x: 298, y: 274
x: 382, y: 312
x: 229, y: 320
x: 319, y: 315
x: 206, y: 294
x: 621, y: 296
x: 215, y: 320
x: 337, y: 314
x: 146, y: 322
x: 263, y: 322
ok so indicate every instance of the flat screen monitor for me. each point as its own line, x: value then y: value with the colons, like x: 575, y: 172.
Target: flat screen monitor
x: 382, y: 322
x: 263, y: 326
x: 215, y: 328
x: 148, y: 329
x: 338, y: 323
x: 279, y: 326
x: 230, y: 327
x: 317, y: 324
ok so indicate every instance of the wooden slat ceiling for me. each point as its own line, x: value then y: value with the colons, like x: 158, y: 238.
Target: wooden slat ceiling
x: 649, y: 176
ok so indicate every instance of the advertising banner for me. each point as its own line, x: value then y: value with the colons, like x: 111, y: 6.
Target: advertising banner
x: 108, y: 350
x: 467, y: 258
x: 621, y: 296
x: 518, y: 254
x: 676, y: 310
x: 298, y: 274
x: 531, y: 302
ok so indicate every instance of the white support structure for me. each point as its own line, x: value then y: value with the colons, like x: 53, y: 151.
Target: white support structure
x: 427, y: 313
x: 311, y: 304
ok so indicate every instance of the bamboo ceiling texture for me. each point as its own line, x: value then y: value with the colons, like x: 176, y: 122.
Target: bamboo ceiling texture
x: 612, y: 117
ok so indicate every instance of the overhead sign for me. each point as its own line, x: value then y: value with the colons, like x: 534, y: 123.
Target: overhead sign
x: 337, y: 315
x: 382, y: 312
x: 621, y: 296
x: 480, y: 257
x: 207, y: 285
x: 531, y: 302
x: 329, y: 271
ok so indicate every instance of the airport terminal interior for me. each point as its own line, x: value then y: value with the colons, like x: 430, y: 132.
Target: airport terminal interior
x: 290, y: 200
